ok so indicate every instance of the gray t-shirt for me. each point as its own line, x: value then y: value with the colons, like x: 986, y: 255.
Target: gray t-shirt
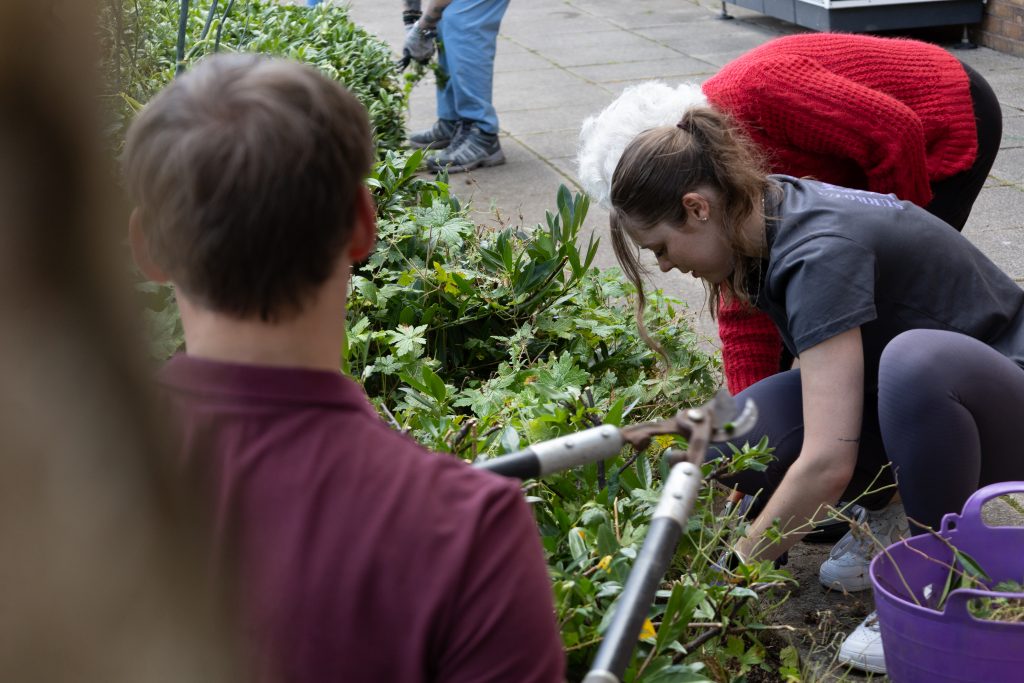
x: 841, y: 258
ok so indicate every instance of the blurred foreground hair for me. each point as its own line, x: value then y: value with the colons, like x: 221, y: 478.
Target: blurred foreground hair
x: 102, y: 576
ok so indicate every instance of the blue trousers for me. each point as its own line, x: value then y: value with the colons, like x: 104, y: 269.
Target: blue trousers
x: 468, y: 31
x: 948, y: 416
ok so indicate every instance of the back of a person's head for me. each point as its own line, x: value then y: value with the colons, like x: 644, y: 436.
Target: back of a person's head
x: 245, y: 172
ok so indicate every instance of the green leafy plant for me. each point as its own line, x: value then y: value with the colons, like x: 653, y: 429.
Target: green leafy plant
x: 141, y: 39
x: 1000, y: 609
x: 479, y: 341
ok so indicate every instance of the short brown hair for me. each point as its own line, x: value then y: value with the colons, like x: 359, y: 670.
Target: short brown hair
x: 706, y: 148
x: 245, y: 171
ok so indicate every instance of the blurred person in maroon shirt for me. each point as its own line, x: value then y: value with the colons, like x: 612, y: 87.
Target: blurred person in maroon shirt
x: 362, y: 556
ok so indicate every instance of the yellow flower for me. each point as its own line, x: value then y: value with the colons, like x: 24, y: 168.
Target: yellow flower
x: 647, y: 631
x: 605, y: 562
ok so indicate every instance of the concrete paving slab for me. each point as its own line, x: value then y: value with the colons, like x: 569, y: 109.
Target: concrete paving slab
x: 643, y: 13
x: 554, y: 23
x: 553, y: 145
x: 609, y: 37
x: 1004, y: 511
x: 513, y: 57
x: 690, y: 42
x: 526, y: 121
x: 628, y: 48
x: 567, y: 164
x: 697, y: 79
x: 1004, y: 247
x: 543, y: 89
x: 1009, y: 165
x: 986, y: 61
x: 720, y: 59
x: 1013, y: 133
x: 997, y: 208
x: 992, y: 181
x: 1008, y: 86
x: 1010, y: 111
x: 678, y: 69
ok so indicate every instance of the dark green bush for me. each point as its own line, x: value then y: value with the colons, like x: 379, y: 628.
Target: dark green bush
x: 478, y: 341
x: 142, y: 36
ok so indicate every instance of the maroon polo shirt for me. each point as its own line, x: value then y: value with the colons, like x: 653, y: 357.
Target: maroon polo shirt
x: 362, y: 556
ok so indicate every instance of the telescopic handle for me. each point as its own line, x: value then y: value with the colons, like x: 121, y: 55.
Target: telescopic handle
x: 557, y: 455
x: 669, y: 521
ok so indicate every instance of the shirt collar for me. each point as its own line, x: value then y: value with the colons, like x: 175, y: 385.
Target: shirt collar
x: 263, y: 382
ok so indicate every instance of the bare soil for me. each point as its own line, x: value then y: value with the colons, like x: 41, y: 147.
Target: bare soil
x: 821, y: 618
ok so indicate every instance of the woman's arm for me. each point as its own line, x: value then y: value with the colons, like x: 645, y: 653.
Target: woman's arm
x: 832, y: 379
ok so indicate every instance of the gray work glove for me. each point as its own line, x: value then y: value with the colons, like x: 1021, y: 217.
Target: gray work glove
x: 419, y: 43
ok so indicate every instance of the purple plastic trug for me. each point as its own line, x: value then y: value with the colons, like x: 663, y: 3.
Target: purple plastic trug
x: 924, y: 645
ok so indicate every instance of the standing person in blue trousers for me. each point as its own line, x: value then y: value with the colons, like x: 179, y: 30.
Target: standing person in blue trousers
x: 465, y: 134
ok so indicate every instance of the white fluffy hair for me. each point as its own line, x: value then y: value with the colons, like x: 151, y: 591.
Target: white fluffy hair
x: 603, y: 138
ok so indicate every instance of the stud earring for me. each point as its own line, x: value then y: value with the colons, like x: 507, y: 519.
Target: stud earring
x: 703, y: 219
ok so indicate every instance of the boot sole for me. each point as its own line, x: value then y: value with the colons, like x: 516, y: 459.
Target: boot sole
x: 496, y: 159
x: 862, y: 662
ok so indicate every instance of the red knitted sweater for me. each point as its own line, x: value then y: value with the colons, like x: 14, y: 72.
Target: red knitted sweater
x: 883, y: 114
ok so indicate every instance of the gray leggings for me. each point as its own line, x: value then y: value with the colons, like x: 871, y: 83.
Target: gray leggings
x: 948, y: 414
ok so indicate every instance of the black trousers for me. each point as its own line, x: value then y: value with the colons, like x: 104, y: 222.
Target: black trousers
x: 945, y: 417
x: 954, y: 197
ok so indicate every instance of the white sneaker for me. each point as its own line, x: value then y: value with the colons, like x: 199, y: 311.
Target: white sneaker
x: 862, y: 649
x: 846, y: 568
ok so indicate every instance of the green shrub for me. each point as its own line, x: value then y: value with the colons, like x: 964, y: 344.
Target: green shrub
x: 141, y: 39
x: 479, y: 341
x: 514, y: 322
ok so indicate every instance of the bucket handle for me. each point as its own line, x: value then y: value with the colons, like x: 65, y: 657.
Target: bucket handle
x: 956, y: 603
x: 970, y: 518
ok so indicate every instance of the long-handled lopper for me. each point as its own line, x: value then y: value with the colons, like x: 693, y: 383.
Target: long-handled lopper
x: 717, y: 420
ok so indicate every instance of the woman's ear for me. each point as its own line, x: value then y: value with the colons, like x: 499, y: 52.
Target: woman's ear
x: 696, y: 206
x: 364, y: 228
x: 140, y: 249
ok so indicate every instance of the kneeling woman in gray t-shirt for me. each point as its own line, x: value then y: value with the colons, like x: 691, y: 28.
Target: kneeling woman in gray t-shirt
x: 904, y: 331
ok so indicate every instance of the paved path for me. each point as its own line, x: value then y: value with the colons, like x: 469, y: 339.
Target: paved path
x: 562, y: 60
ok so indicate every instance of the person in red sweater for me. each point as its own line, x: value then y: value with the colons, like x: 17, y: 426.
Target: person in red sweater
x: 887, y: 115
x: 881, y: 114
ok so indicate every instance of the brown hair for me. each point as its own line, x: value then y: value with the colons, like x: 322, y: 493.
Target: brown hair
x: 245, y: 171
x: 659, y: 166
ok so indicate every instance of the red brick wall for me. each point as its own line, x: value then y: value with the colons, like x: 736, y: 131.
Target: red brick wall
x: 1003, y: 27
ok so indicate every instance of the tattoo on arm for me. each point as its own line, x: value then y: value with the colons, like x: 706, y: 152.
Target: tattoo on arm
x: 857, y: 440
